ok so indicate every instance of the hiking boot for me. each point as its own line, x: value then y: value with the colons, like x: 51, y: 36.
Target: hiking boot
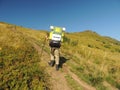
x: 51, y: 63
x: 57, y: 67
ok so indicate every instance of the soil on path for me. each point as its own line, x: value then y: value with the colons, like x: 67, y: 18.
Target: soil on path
x: 57, y: 78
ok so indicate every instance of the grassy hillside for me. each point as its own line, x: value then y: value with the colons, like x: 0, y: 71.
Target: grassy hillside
x: 19, y: 69
x: 93, y: 58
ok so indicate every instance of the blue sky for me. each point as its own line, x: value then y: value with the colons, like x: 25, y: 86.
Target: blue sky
x: 101, y: 16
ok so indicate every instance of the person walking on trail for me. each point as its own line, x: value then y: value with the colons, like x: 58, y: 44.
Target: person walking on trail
x: 55, y: 38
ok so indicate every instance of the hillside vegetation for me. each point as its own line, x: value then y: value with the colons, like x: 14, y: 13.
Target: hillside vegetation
x: 93, y: 58
x: 19, y: 69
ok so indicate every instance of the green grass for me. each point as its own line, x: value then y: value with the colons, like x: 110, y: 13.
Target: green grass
x: 93, y: 58
x: 19, y: 62
x: 73, y: 84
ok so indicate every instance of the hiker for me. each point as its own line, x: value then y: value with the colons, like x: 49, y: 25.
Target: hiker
x: 55, y: 39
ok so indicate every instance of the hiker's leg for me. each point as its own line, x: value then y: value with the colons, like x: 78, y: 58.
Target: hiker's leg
x: 52, y: 54
x: 52, y: 60
x: 52, y: 57
x: 57, y: 56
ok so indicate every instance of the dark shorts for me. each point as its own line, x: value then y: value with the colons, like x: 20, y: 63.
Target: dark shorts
x: 55, y: 44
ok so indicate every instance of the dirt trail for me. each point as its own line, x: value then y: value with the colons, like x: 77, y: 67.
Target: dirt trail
x: 57, y: 79
x: 84, y: 85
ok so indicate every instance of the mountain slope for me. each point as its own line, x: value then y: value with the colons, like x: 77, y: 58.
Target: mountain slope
x: 19, y: 68
x: 95, y: 58
x: 87, y: 60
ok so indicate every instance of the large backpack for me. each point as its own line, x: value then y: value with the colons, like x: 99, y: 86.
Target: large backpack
x: 56, y: 37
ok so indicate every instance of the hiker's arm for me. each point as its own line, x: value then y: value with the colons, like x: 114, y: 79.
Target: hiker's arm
x: 47, y: 36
